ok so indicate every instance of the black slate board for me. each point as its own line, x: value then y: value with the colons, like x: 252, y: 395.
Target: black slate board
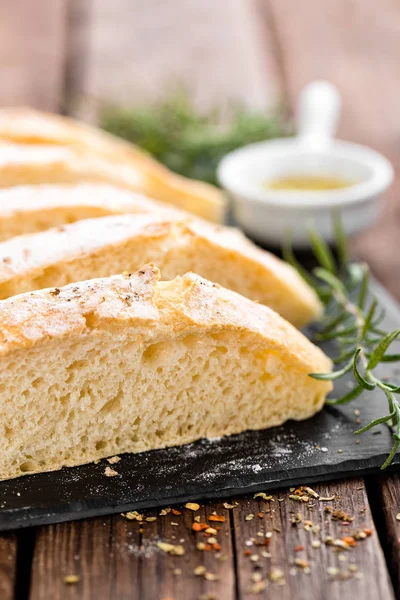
x: 298, y: 452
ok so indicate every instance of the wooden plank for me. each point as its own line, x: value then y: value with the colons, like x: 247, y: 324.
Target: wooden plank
x: 32, y: 52
x: 8, y: 565
x: 329, y: 572
x: 119, y: 558
x: 387, y: 507
x: 136, y: 52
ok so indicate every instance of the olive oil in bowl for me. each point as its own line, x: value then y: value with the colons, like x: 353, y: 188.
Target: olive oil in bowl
x: 308, y: 183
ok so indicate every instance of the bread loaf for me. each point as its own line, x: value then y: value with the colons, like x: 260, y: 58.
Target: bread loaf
x: 109, y: 245
x: 129, y: 363
x: 45, y: 148
x: 28, y: 209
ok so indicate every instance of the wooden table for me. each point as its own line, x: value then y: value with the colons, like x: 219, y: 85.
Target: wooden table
x: 46, y: 59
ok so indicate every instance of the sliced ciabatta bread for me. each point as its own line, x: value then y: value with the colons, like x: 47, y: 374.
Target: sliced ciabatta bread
x: 45, y: 148
x: 109, y: 245
x: 129, y: 363
x: 32, y: 208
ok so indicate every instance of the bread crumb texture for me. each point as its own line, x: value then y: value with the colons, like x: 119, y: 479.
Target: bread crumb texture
x: 131, y: 363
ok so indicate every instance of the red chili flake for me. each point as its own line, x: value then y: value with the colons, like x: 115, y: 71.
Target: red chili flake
x: 218, y: 518
x: 217, y: 547
x: 260, y: 514
x: 199, y: 526
x: 299, y: 548
x: 175, y: 512
x: 367, y: 531
x: 247, y: 553
x: 207, y: 535
x: 349, y: 540
x: 207, y: 547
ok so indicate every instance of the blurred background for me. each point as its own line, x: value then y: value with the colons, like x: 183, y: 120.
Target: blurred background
x: 79, y: 56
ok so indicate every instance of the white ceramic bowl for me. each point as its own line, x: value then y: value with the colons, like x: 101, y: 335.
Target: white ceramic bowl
x: 267, y: 215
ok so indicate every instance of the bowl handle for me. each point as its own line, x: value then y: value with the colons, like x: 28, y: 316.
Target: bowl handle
x: 318, y: 112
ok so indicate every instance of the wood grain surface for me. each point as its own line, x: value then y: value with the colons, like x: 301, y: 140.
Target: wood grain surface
x: 8, y: 563
x: 59, y: 54
x: 32, y: 44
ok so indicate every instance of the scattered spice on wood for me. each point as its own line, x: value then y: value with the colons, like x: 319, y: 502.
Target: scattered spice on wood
x: 150, y: 519
x: 218, y: 518
x: 174, y: 549
x: 133, y: 515
x: 258, y: 587
x: 260, y: 515
x: 211, y: 530
x: 247, y: 552
x: 341, y: 515
x: 299, y: 548
x: 276, y: 575
x: 164, y: 511
x: 191, y: 506
x: 109, y: 472
x: 200, y: 570
x: 256, y: 576
x: 262, y: 495
x: 229, y: 506
x: 71, y: 579
x: 300, y: 562
x: 113, y: 460
x: 398, y: 516
x: 174, y: 524
x: 177, y: 572
x: 199, y: 526
x: 176, y: 512
x: 204, y: 547
x: 316, y: 544
x: 328, y: 499
x: 254, y: 557
x: 249, y: 517
x: 211, y: 577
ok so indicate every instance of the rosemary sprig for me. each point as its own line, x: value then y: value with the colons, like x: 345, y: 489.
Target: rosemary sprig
x: 187, y: 141
x: 353, y: 322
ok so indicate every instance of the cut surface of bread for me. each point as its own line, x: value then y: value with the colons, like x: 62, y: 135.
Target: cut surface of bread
x: 130, y: 363
x: 46, y: 148
x: 33, y: 208
x: 105, y: 246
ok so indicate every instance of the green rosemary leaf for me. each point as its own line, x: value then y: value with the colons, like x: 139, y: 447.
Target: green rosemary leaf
x: 331, y: 323
x: 363, y: 286
x: 376, y: 422
x: 368, y: 385
x: 369, y: 317
x: 324, y: 337
x: 330, y: 279
x: 342, y: 357
x: 341, y: 241
x: 322, y: 252
x: 390, y: 358
x: 354, y: 275
x: 334, y: 375
x: 354, y: 393
x: 394, y: 389
x: 288, y: 256
x: 391, y: 455
x: 379, y: 352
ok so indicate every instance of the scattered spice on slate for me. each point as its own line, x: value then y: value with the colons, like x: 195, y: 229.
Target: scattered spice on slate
x: 109, y: 472
x: 113, y: 460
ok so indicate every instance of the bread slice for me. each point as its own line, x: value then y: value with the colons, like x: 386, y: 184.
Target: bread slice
x: 29, y: 209
x: 45, y: 148
x: 109, y: 245
x: 129, y: 363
